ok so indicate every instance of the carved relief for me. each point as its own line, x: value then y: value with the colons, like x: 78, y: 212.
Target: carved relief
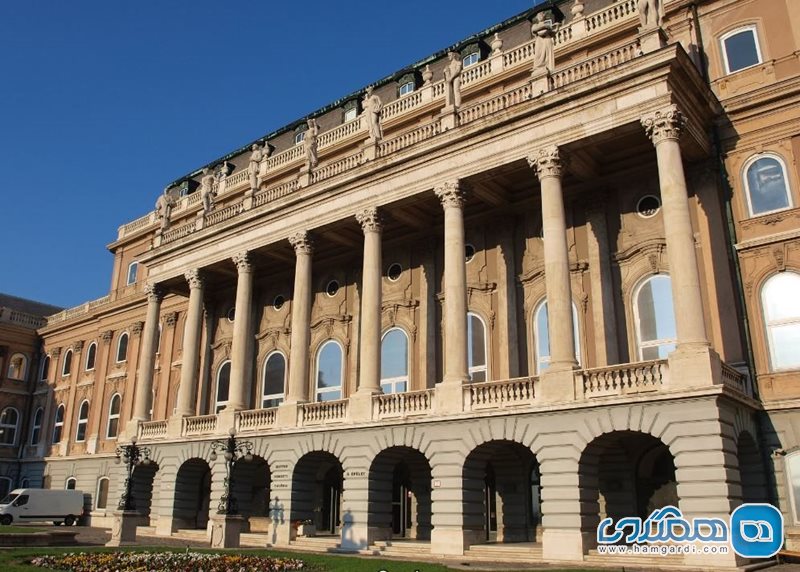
x: 243, y: 261
x: 154, y: 293
x: 370, y: 220
x: 302, y: 243
x: 171, y: 318
x: 664, y: 124
x: 194, y: 278
x: 548, y: 162
x: 136, y: 328
x: 452, y: 194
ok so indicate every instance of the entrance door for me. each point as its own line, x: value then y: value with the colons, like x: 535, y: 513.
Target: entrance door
x: 490, y: 504
x: 331, y: 500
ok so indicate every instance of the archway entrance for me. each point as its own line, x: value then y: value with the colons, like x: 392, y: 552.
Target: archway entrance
x: 192, y: 495
x: 400, y: 495
x: 317, y: 492
x: 501, y: 494
x: 626, y: 473
x: 251, y: 486
x: 142, y: 490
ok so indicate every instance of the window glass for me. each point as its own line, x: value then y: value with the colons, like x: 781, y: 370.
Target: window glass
x: 329, y: 372
x: 541, y: 336
x: 476, y: 355
x: 781, y: 306
x: 113, y: 416
x: 91, y: 355
x: 394, y: 361
x: 299, y: 137
x: 471, y: 59
x: 122, y: 348
x: 45, y: 368
x: 766, y: 186
x: 58, y: 425
x: 655, y: 319
x: 37, y: 426
x: 132, y: 270
x: 67, y: 367
x: 274, y: 380
x: 71, y: 483
x: 741, y: 50
x: 223, y: 386
x: 9, y: 419
x: 350, y: 114
x: 22, y: 500
x: 83, y: 422
x: 407, y: 87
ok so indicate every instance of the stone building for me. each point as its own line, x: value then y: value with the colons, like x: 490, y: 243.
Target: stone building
x: 542, y: 277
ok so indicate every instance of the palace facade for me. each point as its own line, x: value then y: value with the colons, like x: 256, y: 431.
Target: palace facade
x: 543, y: 277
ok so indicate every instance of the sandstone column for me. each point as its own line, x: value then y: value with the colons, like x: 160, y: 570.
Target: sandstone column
x: 664, y: 128
x: 452, y: 195
x: 301, y: 319
x: 370, y: 345
x: 548, y: 164
x: 241, y: 348
x: 144, y: 386
x: 187, y: 390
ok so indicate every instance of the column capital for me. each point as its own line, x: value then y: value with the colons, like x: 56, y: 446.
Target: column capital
x: 194, y: 278
x: 136, y: 328
x: 243, y: 261
x: 77, y: 347
x: 171, y: 318
x: 302, y: 242
x: 664, y: 124
x: 154, y: 292
x: 55, y: 352
x: 107, y: 336
x: 452, y: 194
x: 548, y: 162
x: 370, y: 220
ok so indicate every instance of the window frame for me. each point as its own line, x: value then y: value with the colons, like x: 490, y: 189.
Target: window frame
x: 127, y: 337
x: 538, y: 360
x: 15, y: 426
x: 299, y: 137
x: 66, y: 364
x: 637, y: 330
x: 485, y: 367
x: 73, y: 480
x: 220, y: 405
x: 36, y: 426
x: 97, y: 493
x: 44, y: 369
x: 82, y: 422
x: 113, y: 416
x: 729, y: 34
x: 58, y: 424
x: 340, y: 387
x: 393, y: 381
x: 768, y: 326
x: 752, y: 160
x: 135, y: 266
x: 23, y: 369
x: 404, y: 86
x: 280, y: 398
x: 353, y: 111
x: 93, y: 355
x: 476, y: 55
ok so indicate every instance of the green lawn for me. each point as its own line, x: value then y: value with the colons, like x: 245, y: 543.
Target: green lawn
x: 20, y: 529
x: 14, y: 560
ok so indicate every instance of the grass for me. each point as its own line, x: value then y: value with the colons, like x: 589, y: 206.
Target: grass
x: 14, y: 560
x: 20, y: 529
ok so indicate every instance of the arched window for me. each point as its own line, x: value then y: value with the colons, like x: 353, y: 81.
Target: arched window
x: 36, y: 429
x: 113, y: 416
x: 274, y: 380
x: 133, y: 269
x: 9, y: 420
x: 329, y: 372
x: 58, y: 424
x: 655, y: 319
x: 767, y: 184
x: 394, y: 361
x: 122, y: 348
x: 45, y: 368
x: 541, y: 336
x: 223, y: 386
x: 83, y: 421
x: 781, y: 306
x: 66, y: 368
x: 740, y: 49
x: 91, y: 356
x: 71, y: 483
x: 476, y: 348
x: 101, y: 497
x: 17, y: 367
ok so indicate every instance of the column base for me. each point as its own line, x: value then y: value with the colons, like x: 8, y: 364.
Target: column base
x: 449, y: 398
x: 562, y: 544
x: 123, y: 528
x: 288, y: 414
x: 449, y: 117
x: 557, y: 386
x: 694, y: 365
x: 165, y: 526
x: 226, y: 530
x: 447, y: 541
x: 360, y: 405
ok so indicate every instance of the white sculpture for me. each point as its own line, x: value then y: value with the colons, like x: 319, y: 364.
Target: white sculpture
x: 452, y: 77
x: 255, y: 163
x: 544, y: 34
x: 164, y: 206
x: 651, y: 13
x: 372, y: 105
x: 207, y: 190
x: 310, y: 143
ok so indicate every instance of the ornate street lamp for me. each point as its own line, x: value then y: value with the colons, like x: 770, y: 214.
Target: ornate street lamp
x: 234, y: 451
x: 131, y: 456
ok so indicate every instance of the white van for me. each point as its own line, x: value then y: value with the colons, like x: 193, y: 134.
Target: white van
x: 30, y: 505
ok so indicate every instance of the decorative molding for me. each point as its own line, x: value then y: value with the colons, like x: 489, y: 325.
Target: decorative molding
x: 136, y: 328
x: 243, y: 261
x: 370, y: 220
x: 548, y: 162
x: 154, y: 293
x: 55, y: 352
x: 664, y: 125
x: 302, y: 242
x: 170, y: 319
x: 452, y: 194
x: 779, y: 256
x: 107, y: 336
x: 77, y: 347
x: 194, y: 278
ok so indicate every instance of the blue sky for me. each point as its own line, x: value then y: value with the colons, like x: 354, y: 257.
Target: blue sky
x: 103, y: 103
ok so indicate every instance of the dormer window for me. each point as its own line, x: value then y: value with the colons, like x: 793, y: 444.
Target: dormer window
x: 406, y: 84
x: 407, y: 87
x: 350, y: 110
x: 299, y: 137
x: 470, y: 55
x: 740, y: 49
x: 471, y: 59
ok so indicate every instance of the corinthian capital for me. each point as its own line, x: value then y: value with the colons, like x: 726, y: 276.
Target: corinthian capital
x: 370, y: 220
x: 77, y: 347
x: 302, y: 243
x: 664, y: 124
x: 243, y: 261
x: 194, y: 278
x: 452, y: 194
x: 154, y: 292
x: 548, y: 162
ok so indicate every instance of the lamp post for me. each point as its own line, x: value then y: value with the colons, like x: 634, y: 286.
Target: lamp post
x: 233, y: 450
x: 131, y: 455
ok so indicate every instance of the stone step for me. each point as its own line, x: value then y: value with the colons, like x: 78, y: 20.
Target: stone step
x: 647, y: 562
x: 507, y: 553
x: 397, y: 547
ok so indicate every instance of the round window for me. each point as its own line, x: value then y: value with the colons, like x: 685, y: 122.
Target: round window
x: 332, y: 288
x: 278, y: 302
x: 648, y: 206
x: 394, y: 271
x: 469, y: 251
x: 231, y: 314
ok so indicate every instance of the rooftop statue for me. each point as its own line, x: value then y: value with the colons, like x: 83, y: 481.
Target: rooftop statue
x: 255, y: 162
x: 651, y: 13
x: 310, y: 143
x: 164, y: 206
x: 207, y: 190
x: 452, y: 77
x: 372, y: 106
x: 544, y: 35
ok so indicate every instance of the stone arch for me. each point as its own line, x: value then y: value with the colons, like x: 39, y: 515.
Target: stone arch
x: 316, y: 494
x: 251, y: 488
x: 142, y: 489
x: 192, y: 498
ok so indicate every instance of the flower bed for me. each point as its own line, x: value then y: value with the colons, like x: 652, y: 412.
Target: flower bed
x: 157, y: 561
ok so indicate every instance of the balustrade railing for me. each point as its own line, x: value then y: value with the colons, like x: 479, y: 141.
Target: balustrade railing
x: 138, y: 224
x: 495, y: 104
x: 610, y: 15
x: 237, y: 180
x: 335, y: 168
x: 269, y: 195
x: 624, y: 379
x: 16, y: 317
x: 223, y: 214
x: 256, y: 419
x: 284, y: 158
x: 733, y: 378
x: 596, y: 64
x: 339, y: 133
x: 499, y: 394
x: 476, y: 72
x: 408, y: 404
x: 199, y: 425
x: 399, y: 106
x: 323, y: 412
x: 409, y: 138
x: 178, y: 232
x: 153, y: 429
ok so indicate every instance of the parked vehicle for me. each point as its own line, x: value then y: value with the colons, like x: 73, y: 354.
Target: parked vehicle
x: 31, y: 505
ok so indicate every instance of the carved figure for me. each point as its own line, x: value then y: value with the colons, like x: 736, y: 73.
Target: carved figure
x: 544, y: 34
x: 255, y: 162
x: 372, y: 105
x: 310, y: 143
x: 164, y: 206
x: 207, y: 190
x: 452, y: 77
x: 651, y: 13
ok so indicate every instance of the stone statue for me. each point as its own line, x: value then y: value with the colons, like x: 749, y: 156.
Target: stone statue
x: 223, y: 171
x: 310, y: 143
x: 452, y: 77
x: 255, y: 163
x: 544, y: 34
x: 651, y: 13
x: 372, y: 105
x: 207, y: 190
x: 164, y: 206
